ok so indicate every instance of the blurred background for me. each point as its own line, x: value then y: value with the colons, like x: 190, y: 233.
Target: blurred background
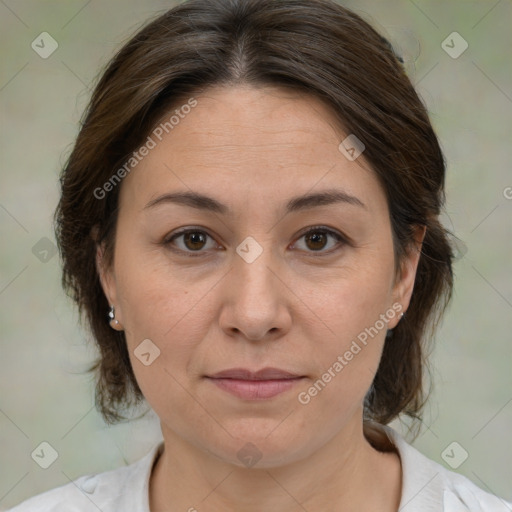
x: 51, y: 54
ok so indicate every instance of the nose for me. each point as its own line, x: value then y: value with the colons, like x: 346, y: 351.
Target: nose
x: 256, y: 299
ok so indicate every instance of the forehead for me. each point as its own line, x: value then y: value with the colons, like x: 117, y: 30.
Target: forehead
x: 244, y: 121
x: 243, y: 138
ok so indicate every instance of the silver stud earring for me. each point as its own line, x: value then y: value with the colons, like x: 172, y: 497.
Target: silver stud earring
x: 112, y: 319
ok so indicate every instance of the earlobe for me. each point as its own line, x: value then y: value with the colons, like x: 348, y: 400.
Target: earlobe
x: 108, y: 285
x: 405, y: 282
x: 113, y: 321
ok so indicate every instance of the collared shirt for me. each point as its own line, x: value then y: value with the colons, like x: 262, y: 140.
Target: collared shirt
x: 426, y: 487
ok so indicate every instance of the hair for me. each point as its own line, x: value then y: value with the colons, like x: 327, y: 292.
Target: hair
x: 315, y: 47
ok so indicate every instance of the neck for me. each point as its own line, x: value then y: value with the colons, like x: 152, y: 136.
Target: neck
x: 345, y: 474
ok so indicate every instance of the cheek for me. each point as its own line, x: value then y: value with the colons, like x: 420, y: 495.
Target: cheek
x: 350, y: 330
x: 154, y: 295
x: 347, y: 358
x: 175, y: 319
x: 172, y: 316
x: 354, y: 300
x: 161, y: 305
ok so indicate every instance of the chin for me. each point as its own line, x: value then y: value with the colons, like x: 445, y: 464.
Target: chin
x: 262, y: 447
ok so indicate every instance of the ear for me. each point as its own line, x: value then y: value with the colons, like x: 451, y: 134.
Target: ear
x: 404, y: 283
x: 106, y: 276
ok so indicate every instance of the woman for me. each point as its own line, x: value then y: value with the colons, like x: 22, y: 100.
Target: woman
x: 249, y: 221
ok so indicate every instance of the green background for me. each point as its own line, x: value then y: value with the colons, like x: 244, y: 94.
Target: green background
x: 45, y: 395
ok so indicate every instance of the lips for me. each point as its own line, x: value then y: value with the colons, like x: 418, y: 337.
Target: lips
x: 258, y: 385
x: 263, y: 374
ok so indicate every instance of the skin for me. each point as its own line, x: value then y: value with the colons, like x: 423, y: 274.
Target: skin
x: 294, y: 307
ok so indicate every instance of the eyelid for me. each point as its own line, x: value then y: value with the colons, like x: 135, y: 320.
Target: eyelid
x: 321, y: 227
x: 182, y: 231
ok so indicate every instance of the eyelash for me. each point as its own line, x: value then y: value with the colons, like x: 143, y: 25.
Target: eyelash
x: 315, y: 229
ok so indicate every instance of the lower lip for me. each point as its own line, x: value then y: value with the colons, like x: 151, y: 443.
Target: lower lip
x: 255, y: 389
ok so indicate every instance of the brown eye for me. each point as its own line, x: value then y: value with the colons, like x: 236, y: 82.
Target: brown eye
x: 194, y: 240
x: 190, y: 241
x: 317, y: 239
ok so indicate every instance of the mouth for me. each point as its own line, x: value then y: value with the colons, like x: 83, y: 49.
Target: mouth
x: 259, y: 385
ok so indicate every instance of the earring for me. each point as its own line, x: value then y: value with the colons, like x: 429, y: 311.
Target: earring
x: 112, y: 320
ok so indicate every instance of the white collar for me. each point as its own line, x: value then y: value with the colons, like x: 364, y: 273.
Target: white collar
x: 426, y: 487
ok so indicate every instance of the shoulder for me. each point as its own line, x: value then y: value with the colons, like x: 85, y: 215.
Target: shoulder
x: 125, y: 488
x: 428, y: 486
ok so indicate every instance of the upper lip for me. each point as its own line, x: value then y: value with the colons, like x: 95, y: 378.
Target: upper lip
x: 263, y: 374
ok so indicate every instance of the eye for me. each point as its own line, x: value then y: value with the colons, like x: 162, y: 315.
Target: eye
x: 194, y: 242
x: 191, y: 241
x: 317, y: 238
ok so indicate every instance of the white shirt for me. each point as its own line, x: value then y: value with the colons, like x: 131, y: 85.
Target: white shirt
x: 426, y: 487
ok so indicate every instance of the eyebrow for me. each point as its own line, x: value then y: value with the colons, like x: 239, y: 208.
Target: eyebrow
x: 295, y: 204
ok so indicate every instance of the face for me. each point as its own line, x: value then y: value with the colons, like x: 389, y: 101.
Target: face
x: 264, y: 280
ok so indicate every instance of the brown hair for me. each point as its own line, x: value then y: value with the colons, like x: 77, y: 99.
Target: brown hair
x: 313, y: 46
